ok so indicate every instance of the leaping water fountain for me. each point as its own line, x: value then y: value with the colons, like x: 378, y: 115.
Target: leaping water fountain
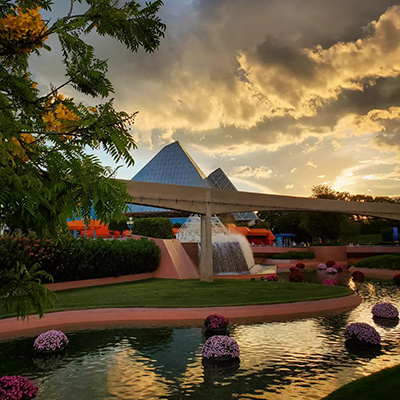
x: 231, y: 253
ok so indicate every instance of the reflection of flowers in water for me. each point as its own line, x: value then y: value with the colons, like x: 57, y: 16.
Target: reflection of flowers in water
x: 214, y: 371
x: 356, y: 349
x: 216, y: 321
x: 49, y: 362
x: 386, y: 322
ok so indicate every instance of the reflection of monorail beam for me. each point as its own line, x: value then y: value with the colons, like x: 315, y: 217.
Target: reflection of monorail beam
x: 213, y: 201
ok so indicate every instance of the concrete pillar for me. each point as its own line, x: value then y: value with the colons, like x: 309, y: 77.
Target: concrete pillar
x: 206, y: 268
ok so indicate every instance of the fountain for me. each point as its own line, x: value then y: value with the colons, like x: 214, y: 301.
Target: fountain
x: 231, y: 254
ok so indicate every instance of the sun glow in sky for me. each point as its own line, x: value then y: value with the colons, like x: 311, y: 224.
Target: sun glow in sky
x: 281, y: 94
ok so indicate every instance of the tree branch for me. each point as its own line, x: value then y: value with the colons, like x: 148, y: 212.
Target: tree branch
x: 71, y: 8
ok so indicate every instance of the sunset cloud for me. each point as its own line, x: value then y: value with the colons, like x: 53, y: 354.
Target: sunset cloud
x: 274, y: 92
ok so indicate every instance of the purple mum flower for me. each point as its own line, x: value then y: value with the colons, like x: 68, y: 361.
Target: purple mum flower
x: 272, y: 277
x: 17, y: 388
x: 385, y: 310
x: 50, y: 341
x: 221, y: 346
x: 321, y: 266
x: 362, y: 332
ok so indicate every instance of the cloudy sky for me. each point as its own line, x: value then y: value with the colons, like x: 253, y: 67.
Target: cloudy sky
x: 281, y: 94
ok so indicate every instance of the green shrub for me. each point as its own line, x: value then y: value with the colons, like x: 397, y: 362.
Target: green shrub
x: 387, y: 234
x: 160, y: 228
x: 388, y: 261
x: 294, y: 255
x: 118, y: 226
x: 76, y: 259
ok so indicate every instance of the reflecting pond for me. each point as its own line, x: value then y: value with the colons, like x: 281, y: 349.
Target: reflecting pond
x: 301, y: 359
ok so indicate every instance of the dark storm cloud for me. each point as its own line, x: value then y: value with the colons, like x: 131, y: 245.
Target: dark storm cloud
x: 308, y: 22
x: 291, y: 58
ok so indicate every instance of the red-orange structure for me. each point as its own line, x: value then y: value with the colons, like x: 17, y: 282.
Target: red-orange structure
x: 258, y: 236
x: 94, y: 229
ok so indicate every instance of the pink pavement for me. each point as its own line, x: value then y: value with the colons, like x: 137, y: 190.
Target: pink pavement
x: 100, y: 318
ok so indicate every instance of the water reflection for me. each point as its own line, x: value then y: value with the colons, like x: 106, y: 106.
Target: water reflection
x: 304, y: 359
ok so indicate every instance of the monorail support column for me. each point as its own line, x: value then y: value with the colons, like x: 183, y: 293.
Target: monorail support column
x: 206, y: 267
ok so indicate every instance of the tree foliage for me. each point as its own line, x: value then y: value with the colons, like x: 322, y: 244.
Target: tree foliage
x: 329, y: 227
x: 47, y: 169
x: 22, y: 292
x: 119, y: 226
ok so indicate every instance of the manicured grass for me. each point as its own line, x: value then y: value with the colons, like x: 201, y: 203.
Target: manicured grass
x: 193, y: 293
x: 383, y: 385
x: 374, y: 238
x: 387, y: 261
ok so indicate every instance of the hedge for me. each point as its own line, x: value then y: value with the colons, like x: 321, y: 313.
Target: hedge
x: 294, y: 255
x: 388, y: 261
x: 160, y: 228
x: 75, y: 259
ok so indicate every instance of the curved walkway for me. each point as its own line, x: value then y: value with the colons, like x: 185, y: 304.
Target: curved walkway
x: 96, y: 318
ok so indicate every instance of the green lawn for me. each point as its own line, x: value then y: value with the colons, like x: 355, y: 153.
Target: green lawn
x: 193, y: 293
x: 383, y: 385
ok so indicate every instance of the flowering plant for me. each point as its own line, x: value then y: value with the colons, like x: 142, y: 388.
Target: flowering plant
x: 358, y: 276
x: 272, y: 277
x: 329, y: 282
x: 50, y: 341
x: 385, y: 310
x: 363, y: 333
x: 321, y: 266
x: 396, y: 279
x: 338, y: 268
x: 291, y: 269
x: 330, y: 263
x: 331, y: 270
x: 296, y: 276
x: 300, y: 265
x: 17, y: 388
x: 216, y: 321
x: 221, y: 346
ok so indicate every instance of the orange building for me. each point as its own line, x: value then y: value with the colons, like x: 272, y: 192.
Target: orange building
x: 94, y: 229
x: 260, y: 236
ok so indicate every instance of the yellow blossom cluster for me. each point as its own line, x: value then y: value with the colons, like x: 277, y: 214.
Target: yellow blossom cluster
x: 59, y: 118
x: 25, y: 28
x: 21, y: 153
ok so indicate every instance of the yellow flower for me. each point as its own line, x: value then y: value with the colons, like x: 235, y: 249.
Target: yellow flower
x: 26, y: 29
x: 27, y: 137
x: 59, y: 118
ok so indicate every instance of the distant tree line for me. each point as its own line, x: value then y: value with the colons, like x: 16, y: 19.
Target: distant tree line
x: 330, y: 227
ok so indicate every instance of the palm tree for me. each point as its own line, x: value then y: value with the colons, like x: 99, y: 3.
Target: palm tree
x: 22, y: 291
